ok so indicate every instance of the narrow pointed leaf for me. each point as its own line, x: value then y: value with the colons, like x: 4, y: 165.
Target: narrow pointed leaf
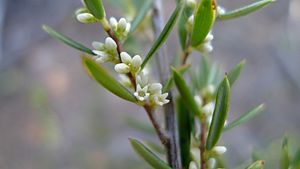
x: 170, y: 82
x: 296, y: 160
x: 235, y: 72
x: 203, y: 22
x: 185, y: 122
x: 219, y: 115
x: 148, y: 155
x: 96, y: 8
x: 68, y: 41
x: 142, y: 12
x: 284, y: 155
x: 257, y: 165
x: 245, y: 10
x: 163, y: 35
x: 244, y: 118
x: 186, y: 94
x: 99, y: 73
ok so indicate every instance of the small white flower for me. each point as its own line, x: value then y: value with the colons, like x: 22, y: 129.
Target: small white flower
x: 193, y: 165
x: 155, y: 88
x: 136, y: 63
x: 122, y: 24
x: 121, y: 28
x: 110, y: 44
x: 141, y: 93
x: 205, y: 48
x: 209, y: 37
x: 212, y: 163
x: 220, y: 10
x: 161, y: 99
x: 190, y: 23
x: 122, y: 68
x: 220, y: 149
x: 195, y: 155
x: 142, y: 79
x: 208, y: 108
x: 86, y: 18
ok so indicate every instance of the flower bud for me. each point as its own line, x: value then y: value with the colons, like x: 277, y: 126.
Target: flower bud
x: 122, y: 24
x: 122, y: 68
x: 98, y: 45
x: 220, y: 149
x: 102, y: 59
x: 190, y: 23
x: 126, y: 58
x: 113, y: 23
x: 86, y: 18
x: 110, y: 44
x: 198, y: 100
x: 136, y: 62
x: 191, y: 3
x: 220, y: 10
x: 212, y: 163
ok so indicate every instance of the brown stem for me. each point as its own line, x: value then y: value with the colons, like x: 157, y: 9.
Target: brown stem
x: 163, y: 137
x: 202, y: 145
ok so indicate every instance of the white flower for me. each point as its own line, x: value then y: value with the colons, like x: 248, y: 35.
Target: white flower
x: 122, y: 68
x: 161, y: 99
x: 190, y: 23
x: 208, y: 108
x: 142, y: 79
x: 126, y: 58
x: 206, y: 46
x: 195, y: 155
x: 220, y: 149
x: 136, y: 63
x: 155, y: 88
x: 141, y: 93
x: 193, y: 165
x: 121, y: 28
x: 86, y: 18
x: 220, y: 10
x: 212, y: 163
x: 105, y: 52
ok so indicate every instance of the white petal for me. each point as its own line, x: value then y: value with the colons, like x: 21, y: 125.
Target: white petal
x: 198, y: 100
x: 128, y: 26
x: 209, y: 108
x: 142, y: 79
x: 193, y: 165
x: 100, y: 53
x: 212, y: 163
x: 110, y: 44
x: 126, y: 58
x: 122, y: 68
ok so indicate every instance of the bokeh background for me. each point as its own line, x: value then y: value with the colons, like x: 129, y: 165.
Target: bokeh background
x: 52, y: 115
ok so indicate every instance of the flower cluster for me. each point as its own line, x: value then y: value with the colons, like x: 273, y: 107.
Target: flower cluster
x: 149, y: 91
x: 121, y: 28
x: 106, y: 52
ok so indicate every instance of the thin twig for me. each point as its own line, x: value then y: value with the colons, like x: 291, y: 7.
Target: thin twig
x: 202, y: 145
x: 173, y: 153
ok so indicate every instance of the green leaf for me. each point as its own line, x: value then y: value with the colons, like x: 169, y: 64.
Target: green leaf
x: 142, y: 12
x: 186, y: 94
x: 182, y: 31
x: 244, y: 118
x: 148, y: 155
x: 219, y: 115
x: 96, y: 8
x: 98, y: 73
x: 284, y: 155
x: 203, y: 22
x: 163, y: 35
x: 245, y: 10
x: 296, y: 160
x: 235, y: 72
x: 257, y: 165
x: 66, y: 40
x: 170, y: 82
x: 185, y: 122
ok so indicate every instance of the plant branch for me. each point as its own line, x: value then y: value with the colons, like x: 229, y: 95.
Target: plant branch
x: 202, y: 145
x: 173, y: 153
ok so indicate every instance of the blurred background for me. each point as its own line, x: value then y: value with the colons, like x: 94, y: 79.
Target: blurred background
x: 52, y: 115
